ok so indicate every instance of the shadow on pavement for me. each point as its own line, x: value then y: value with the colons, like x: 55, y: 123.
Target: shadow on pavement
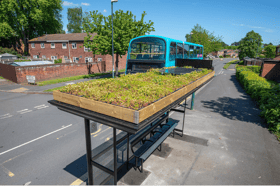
x: 242, y: 108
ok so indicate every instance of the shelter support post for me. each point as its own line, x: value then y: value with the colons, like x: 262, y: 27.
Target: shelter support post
x: 88, y: 148
x: 192, y: 104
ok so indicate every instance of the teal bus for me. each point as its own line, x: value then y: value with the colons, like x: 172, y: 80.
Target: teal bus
x: 151, y: 51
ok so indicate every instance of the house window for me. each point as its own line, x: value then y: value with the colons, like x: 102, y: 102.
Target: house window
x: 88, y: 59
x: 52, y: 45
x: 75, y: 59
x: 99, y: 59
x: 42, y: 45
x: 86, y: 49
x: 43, y: 57
x: 32, y: 45
x: 65, y: 57
x: 35, y: 56
x: 54, y: 57
x: 64, y: 46
x: 74, y: 45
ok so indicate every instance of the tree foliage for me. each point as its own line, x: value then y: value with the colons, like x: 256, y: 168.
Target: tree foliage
x: 75, y: 18
x: 250, y: 45
x: 27, y: 19
x: 126, y: 27
x: 202, y: 36
x: 270, y: 51
x: 232, y: 47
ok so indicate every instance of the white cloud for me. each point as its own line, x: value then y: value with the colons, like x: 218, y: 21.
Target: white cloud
x: 85, y: 4
x: 104, y: 10
x: 269, y: 30
x: 66, y: 3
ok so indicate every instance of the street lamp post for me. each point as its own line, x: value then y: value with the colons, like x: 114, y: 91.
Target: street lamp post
x: 191, y: 37
x: 112, y: 1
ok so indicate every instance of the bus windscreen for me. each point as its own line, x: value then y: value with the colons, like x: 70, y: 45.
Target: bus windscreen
x: 147, y: 48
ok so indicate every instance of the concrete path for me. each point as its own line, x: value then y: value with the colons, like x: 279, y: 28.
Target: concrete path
x: 239, y: 149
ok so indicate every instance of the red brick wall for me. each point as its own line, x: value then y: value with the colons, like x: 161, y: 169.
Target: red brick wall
x: 47, y: 72
x: 266, y: 68
x: 8, y: 72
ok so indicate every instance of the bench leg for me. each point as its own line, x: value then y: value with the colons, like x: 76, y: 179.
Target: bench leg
x: 141, y: 166
x: 184, y: 117
x: 127, y: 151
x: 167, y: 117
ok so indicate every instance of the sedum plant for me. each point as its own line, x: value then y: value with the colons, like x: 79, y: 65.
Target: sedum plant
x: 133, y: 91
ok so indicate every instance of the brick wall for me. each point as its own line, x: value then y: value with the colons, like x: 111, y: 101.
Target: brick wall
x: 8, y: 72
x: 54, y: 71
x: 271, y: 70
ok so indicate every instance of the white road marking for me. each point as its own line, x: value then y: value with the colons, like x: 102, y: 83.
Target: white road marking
x: 6, y: 116
x: 40, y: 106
x: 35, y: 139
x: 22, y: 110
x: 26, y: 111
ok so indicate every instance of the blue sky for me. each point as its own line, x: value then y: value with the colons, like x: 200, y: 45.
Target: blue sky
x: 230, y: 19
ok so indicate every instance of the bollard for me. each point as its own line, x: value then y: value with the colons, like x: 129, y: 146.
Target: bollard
x: 193, y: 96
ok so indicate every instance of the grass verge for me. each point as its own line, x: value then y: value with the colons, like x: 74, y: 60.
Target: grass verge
x: 229, y: 63
x: 1, y: 77
x: 58, y: 88
x: 61, y: 80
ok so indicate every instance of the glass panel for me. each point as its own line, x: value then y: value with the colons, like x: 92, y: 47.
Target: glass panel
x: 179, y: 50
x: 172, y: 54
x: 191, y: 51
x: 186, y: 51
x: 147, y: 48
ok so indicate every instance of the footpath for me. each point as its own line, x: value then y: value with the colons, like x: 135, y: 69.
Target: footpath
x: 225, y: 143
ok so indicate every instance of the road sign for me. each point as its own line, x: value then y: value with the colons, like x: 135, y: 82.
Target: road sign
x: 30, y: 79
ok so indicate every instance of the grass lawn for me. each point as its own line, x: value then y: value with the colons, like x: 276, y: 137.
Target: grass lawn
x: 1, y: 77
x: 70, y: 79
x: 229, y: 63
x: 61, y: 80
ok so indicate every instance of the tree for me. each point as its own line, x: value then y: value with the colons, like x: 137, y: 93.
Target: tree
x: 126, y: 27
x: 250, y: 45
x: 270, y: 51
x: 75, y: 18
x: 235, y: 44
x: 202, y: 36
x: 26, y: 19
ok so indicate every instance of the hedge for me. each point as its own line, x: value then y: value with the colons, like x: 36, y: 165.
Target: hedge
x: 266, y: 93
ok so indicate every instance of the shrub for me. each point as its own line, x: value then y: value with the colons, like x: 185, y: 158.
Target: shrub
x: 221, y: 57
x: 228, y: 56
x: 266, y: 93
x: 58, y: 61
x: 22, y: 60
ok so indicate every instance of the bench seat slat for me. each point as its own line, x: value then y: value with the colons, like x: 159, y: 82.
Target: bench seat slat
x: 158, y: 142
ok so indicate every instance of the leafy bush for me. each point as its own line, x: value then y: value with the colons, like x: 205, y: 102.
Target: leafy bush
x: 10, y: 51
x: 58, y: 61
x: 221, y: 57
x: 22, y: 60
x: 266, y: 93
x: 228, y: 56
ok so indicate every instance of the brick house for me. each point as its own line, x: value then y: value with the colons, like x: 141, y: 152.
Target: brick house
x: 68, y: 46
x: 224, y: 52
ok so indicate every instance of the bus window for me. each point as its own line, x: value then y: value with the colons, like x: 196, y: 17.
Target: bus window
x: 191, y: 51
x: 172, y: 54
x: 147, y: 48
x: 179, y: 50
x: 186, y: 51
x: 197, y: 52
